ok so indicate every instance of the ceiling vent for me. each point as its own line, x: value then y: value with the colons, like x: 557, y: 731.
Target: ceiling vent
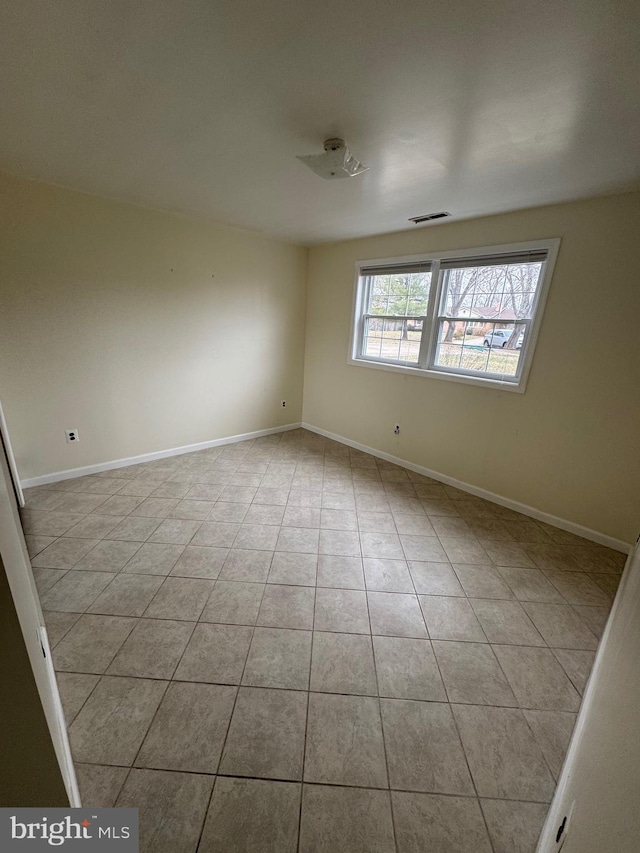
x: 336, y: 162
x: 429, y: 217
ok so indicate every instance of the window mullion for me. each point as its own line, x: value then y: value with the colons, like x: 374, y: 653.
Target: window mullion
x: 429, y: 325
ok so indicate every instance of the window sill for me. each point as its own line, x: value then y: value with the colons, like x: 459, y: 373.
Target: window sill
x: 483, y: 382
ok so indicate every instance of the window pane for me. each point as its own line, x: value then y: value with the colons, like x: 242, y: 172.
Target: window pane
x: 501, y: 293
x: 392, y: 340
x: 480, y: 347
x: 399, y: 294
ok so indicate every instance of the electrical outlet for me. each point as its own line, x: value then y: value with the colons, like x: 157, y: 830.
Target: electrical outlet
x: 396, y: 429
x: 283, y: 403
x: 72, y: 435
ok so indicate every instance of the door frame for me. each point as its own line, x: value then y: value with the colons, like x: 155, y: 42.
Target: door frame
x: 27, y: 604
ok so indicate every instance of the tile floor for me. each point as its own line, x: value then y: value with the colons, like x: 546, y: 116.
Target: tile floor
x: 287, y: 645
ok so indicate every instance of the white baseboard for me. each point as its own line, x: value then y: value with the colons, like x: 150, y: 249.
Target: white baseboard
x: 71, y: 473
x: 539, y: 515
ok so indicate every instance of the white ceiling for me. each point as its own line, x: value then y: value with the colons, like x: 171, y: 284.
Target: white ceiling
x: 200, y: 106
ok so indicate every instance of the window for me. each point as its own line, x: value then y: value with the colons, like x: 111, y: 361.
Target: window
x: 469, y: 316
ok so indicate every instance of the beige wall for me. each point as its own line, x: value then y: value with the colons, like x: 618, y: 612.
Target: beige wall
x: 570, y: 444
x: 143, y: 330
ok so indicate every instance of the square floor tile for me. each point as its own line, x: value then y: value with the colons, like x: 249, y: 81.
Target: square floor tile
x: 578, y: 588
x: 155, y: 507
x: 302, y: 497
x: 279, y: 657
x: 189, y: 728
x: 180, y: 598
x: 83, y: 503
x: 175, y: 531
x: 423, y: 548
x: 108, y: 556
x: 464, y: 549
x: 340, y: 572
x: 35, y: 544
x: 506, y: 622
x: 75, y: 688
x: 595, y: 617
x: 219, y: 534
x: 427, y: 822
x: 99, y: 784
x: 202, y: 492
x: 395, y: 615
x: 172, y: 808
x: 49, y: 523
x: 94, y: 526
x: 152, y: 649
x: 472, y: 674
x: 413, y: 524
x: 127, y: 595
x: 46, y: 578
x: 423, y: 748
x: 75, y: 591
x: 339, y: 543
x: 301, y: 516
x: 257, y: 537
x: 561, y: 626
x: 381, y: 545
x: 154, y: 559
x: 504, y: 758
x: 552, y: 730
x: 450, y: 618
x: 300, y: 540
x: 384, y: 575
x: 293, y: 569
x: 265, y: 514
x: 287, y: 607
x: 172, y: 489
x: 266, y: 735
x: 514, y: 827
x: 233, y: 603
x: 339, y: 519
x: 63, y: 553
x: 537, y: 679
x: 58, y: 625
x: 344, y: 741
x: 337, y: 500
x: 252, y: 816
x: 482, y: 582
x: 343, y: 610
x: 92, y: 643
x: 199, y: 561
x: 509, y: 554
x: 228, y: 513
x: 577, y: 664
x: 407, y: 669
x: 215, y: 653
x: 345, y: 820
x: 114, y: 720
x: 192, y: 510
x: 435, y: 579
x: 381, y: 522
x: 530, y: 585
x: 134, y: 529
x: 241, y: 565
x: 343, y: 663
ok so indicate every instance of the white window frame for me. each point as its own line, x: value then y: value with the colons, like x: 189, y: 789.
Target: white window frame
x: 426, y: 360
